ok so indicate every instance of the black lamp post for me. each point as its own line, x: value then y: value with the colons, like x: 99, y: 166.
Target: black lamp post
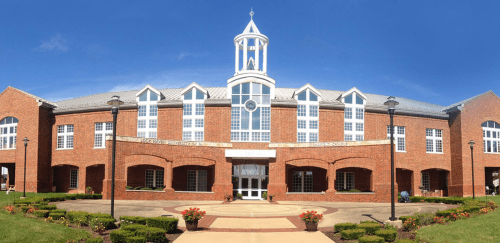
x: 25, y: 140
x: 391, y: 104
x: 471, y: 143
x: 115, y: 102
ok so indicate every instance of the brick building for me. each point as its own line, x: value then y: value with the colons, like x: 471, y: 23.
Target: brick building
x: 250, y: 137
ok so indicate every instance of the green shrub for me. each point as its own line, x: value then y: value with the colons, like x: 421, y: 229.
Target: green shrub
x: 96, y: 196
x: 404, y: 218
x: 166, y: 223
x: 136, y: 239
x: 158, y: 189
x: 264, y: 195
x: 352, y: 234
x: 100, y: 215
x: 368, y: 222
x: 71, y: 197
x: 47, y: 207
x: 445, y: 213
x: 138, y: 188
x: 120, y: 235
x: 35, y: 205
x: 41, y: 213
x: 43, y: 203
x: 345, y: 226
x: 94, y: 240
x: 22, y: 205
x: 388, y: 235
x: 83, y: 196
x: 371, y: 239
x: 354, y: 190
x: 129, y: 188
x: 127, y: 220
x: 133, y: 227
x: 370, y: 228
x: 57, y: 215
x: 78, y: 217
x: 152, y: 234
x: 146, y: 189
x: 416, y: 199
x: 25, y: 209
x: 58, y: 211
x: 108, y: 223
x: 470, y: 209
x: 423, y: 219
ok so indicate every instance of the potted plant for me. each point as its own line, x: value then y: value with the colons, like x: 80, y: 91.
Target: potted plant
x: 89, y: 190
x: 191, y: 216
x: 239, y: 196
x: 271, y: 198
x: 311, y: 218
x: 228, y: 197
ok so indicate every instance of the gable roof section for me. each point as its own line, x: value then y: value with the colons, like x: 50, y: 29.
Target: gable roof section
x: 41, y: 102
x: 150, y: 88
x: 197, y: 86
x: 251, y: 28
x: 458, y: 106
x: 307, y: 86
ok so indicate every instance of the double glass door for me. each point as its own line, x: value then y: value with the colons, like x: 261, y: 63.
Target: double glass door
x: 250, y: 180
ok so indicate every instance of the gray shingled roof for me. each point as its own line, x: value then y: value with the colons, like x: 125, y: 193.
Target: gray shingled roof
x: 219, y: 93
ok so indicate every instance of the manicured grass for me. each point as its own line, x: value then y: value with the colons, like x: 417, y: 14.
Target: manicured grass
x: 481, y: 228
x: 17, y: 228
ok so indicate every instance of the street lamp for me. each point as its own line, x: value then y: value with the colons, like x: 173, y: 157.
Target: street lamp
x: 115, y: 103
x: 391, y: 104
x: 25, y: 140
x: 471, y: 143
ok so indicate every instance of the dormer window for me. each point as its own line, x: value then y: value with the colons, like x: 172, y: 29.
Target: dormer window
x: 307, y: 115
x: 193, y: 110
x: 147, y: 112
x: 354, y: 117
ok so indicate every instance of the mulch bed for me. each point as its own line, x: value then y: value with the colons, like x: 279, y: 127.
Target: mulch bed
x: 337, y: 238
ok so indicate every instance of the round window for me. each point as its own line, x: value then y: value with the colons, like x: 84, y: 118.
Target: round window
x: 250, y: 105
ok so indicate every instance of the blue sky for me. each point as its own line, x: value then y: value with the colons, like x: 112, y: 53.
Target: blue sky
x: 435, y: 51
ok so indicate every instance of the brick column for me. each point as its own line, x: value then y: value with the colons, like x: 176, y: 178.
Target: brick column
x: 332, y: 176
x: 168, y: 177
x: 417, y: 181
x: 82, y: 179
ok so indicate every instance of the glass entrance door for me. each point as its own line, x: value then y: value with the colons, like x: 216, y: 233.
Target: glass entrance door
x: 250, y: 180
x: 250, y: 188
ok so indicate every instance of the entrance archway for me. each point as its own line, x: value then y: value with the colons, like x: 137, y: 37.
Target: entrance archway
x: 250, y: 180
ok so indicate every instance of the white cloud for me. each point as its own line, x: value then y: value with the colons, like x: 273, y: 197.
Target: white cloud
x: 183, y: 55
x: 55, y: 43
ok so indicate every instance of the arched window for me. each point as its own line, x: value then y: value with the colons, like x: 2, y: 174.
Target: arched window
x: 193, y: 118
x: 354, y: 121
x: 251, y: 113
x: 147, y: 115
x: 8, y: 132
x: 491, y: 137
x: 307, y: 116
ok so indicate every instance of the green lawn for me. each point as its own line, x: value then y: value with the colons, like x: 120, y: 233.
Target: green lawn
x: 482, y: 228
x: 9, y: 199
x: 17, y: 228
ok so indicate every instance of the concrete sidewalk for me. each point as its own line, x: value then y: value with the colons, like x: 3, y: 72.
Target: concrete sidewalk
x: 232, y: 237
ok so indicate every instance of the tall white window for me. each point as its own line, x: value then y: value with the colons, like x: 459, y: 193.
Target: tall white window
x: 197, y: 180
x: 251, y: 113
x: 344, y: 181
x: 399, y: 138
x: 307, y: 117
x: 354, y: 117
x: 154, y: 178
x: 491, y: 137
x: 8, y: 133
x: 425, y: 181
x: 65, y: 136
x: 193, y: 115
x: 147, y: 114
x: 302, y: 181
x: 434, y: 140
x: 102, y: 129
x: 73, y: 178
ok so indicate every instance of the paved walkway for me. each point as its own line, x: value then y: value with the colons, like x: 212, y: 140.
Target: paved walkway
x: 253, y: 221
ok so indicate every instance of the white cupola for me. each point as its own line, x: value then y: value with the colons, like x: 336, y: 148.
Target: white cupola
x: 251, y: 42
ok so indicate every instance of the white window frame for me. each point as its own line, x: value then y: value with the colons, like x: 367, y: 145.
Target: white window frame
x: 155, y: 178
x: 107, y: 130
x: 193, y: 130
x: 399, y: 136
x: 353, y: 117
x: 6, y: 134
x: 303, y: 182
x: 251, y: 135
x: 491, y: 135
x: 308, y: 104
x: 197, y: 181
x: 65, y: 135
x: 435, y: 140
x: 71, y: 179
x: 146, y: 131
x: 344, y: 183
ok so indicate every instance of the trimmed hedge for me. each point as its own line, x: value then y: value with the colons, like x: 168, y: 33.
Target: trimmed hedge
x: 100, y: 215
x: 371, y: 239
x: 447, y: 200
x: 127, y: 220
x: 445, y: 213
x: 136, y: 239
x: 404, y: 218
x: 35, y: 205
x: 41, y: 213
x: 146, y: 189
x: 108, y: 223
x: 57, y: 215
x: 352, y: 234
x: 152, y: 234
x: 166, y: 223
x: 388, y: 235
x: 47, y: 207
x: 370, y: 228
x: 25, y: 209
x: 71, y: 197
x: 120, y: 235
x: 94, y: 240
x: 133, y: 227
x: 22, y: 205
x: 58, y: 211
x: 96, y: 196
x: 78, y: 216
x: 368, y: 222
x: 344, y: 226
